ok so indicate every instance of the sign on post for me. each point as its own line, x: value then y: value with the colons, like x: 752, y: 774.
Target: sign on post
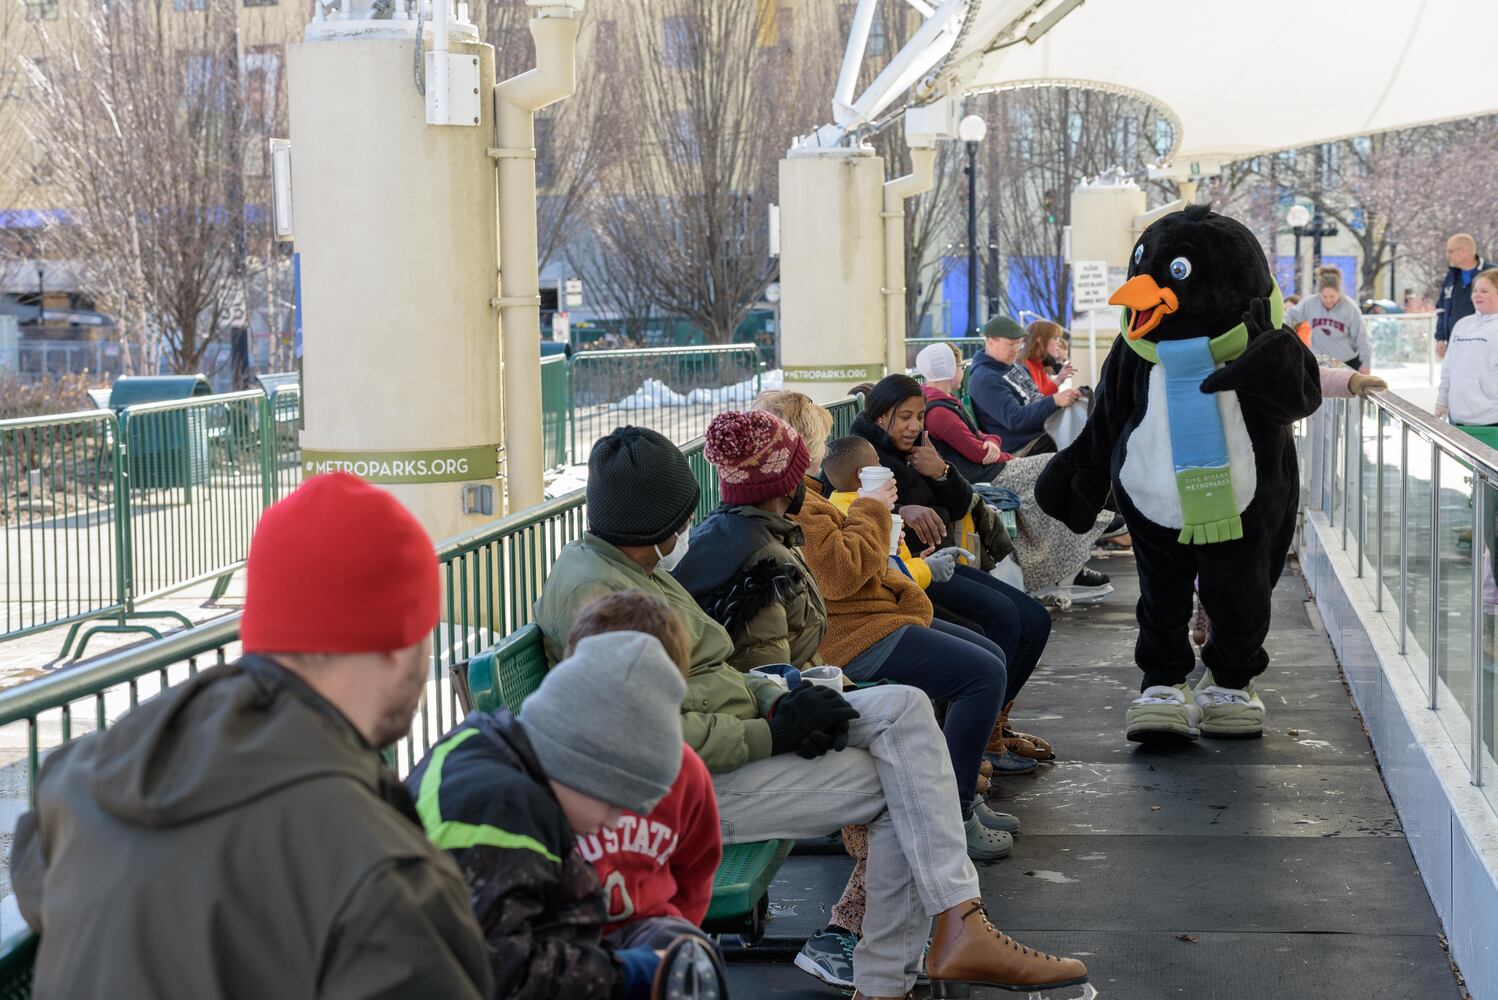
x: 574, y: 291
x: 1089, y: 285
x: 1089, y: 293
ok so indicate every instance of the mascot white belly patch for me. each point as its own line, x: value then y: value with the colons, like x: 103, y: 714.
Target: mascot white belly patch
x: 1148, y: 474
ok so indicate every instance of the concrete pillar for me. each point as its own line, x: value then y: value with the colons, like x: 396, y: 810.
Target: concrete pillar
x: 394, y: 223
x: 1103, y: 215
x: 831, y: 270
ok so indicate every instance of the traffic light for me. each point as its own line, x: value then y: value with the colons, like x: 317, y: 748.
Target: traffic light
x: 1049, y: 200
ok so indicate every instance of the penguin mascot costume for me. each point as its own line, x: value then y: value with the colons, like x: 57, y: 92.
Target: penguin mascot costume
x: 1191, y: 432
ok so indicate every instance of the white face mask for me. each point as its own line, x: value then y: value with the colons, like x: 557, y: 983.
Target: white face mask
x: 670, y: 562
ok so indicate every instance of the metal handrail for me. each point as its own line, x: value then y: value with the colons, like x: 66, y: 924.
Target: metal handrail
x: 1434, y: 430
x: 67, y: 686
x: 47, y: 419
x: 655, y: 352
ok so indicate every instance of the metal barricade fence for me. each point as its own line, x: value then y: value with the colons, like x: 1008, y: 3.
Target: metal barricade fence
x: 59, y: 521
x: 555, y: 386
x: 969, y: 346
x: 674, y: 390
x: 100, y: 512
x: 196, y: 479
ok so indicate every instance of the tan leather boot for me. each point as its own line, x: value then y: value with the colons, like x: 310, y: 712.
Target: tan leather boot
x: 967, y: 951
x: 1005, y: 738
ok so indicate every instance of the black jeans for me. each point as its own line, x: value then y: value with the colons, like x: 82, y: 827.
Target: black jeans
x: 1010, y: 618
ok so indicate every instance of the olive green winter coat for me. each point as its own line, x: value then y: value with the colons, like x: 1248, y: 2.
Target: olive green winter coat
x: 723, y: 714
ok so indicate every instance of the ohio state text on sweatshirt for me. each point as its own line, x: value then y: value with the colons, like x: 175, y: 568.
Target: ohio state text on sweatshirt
x: 661, y: 865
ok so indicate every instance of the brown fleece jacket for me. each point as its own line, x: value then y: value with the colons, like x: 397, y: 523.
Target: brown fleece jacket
x: 867, y: 598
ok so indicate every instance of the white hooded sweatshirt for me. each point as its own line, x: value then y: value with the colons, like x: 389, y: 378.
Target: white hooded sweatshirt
x: 1469, y: 375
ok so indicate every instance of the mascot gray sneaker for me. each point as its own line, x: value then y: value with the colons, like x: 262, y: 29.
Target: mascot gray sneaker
x: 1190, y: 435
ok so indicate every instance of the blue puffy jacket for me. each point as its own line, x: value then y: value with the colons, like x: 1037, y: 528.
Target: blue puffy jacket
x: 1456, y: 299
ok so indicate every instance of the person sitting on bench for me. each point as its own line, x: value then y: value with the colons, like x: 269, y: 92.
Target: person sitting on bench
x: 656, y: 869
x: 508, y: 797
x: 784, y: 765
x: 238, y: 834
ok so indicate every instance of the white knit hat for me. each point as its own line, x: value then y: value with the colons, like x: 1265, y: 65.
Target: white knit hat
x: 936, y: 361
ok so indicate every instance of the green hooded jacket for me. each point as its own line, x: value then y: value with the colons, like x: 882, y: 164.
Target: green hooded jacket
x: 236, y: 837
x: 723, y: 714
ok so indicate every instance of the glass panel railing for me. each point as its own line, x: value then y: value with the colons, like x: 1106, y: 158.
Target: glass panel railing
x: 1453, y: 638
x: 1413, y: 503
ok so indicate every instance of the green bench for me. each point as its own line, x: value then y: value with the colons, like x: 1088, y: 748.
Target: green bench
x: 509, y: 672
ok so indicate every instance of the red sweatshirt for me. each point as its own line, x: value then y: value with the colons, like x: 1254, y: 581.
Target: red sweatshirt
x: 944, y: 425
x: 1042, y: 378
x: 662, y: 864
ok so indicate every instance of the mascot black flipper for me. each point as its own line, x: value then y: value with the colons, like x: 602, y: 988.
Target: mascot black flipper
x: 1191, y: 430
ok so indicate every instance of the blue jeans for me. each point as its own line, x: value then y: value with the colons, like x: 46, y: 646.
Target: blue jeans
x: 1011, y: 619
x: 961, y: 667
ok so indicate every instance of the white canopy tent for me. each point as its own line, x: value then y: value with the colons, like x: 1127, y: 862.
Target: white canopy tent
x: 1237, y: 77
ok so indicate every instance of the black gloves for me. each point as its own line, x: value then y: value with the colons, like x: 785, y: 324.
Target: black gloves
x: 810, y: 720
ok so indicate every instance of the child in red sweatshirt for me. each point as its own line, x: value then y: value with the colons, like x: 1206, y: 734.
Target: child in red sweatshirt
x: 657, y: 870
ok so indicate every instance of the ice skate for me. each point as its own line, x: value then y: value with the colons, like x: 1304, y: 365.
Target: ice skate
x: 1229, y: 712
x: 1162, y: 714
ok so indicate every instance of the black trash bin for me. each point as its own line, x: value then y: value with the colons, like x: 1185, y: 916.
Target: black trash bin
x: 166, y: 450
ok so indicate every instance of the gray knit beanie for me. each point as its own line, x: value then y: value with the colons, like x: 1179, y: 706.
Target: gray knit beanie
x: 607, y: 720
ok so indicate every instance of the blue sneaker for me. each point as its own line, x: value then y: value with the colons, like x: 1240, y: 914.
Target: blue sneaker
x: 1009, y: 764
x: 828, y: 955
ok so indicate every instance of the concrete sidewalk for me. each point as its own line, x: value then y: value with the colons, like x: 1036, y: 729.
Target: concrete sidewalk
x: 1225, y: 870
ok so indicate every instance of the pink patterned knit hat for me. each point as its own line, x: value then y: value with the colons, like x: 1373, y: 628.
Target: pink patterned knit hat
x: 758, y: 456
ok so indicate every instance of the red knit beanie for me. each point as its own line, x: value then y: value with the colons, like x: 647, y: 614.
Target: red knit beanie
x: 339, y: 566
x: 758, y: 455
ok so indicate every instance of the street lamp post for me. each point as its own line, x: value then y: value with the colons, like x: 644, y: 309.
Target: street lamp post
x: 971, y: 130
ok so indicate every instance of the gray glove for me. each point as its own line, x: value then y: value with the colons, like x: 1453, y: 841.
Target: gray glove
x: 943, y: 563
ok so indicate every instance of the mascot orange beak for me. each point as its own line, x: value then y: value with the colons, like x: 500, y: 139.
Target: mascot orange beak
x: 1147, y: 301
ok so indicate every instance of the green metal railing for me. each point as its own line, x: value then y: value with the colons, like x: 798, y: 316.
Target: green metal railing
x: 100, y: 512
x: 969, y: 346
x: 491, y: 578
x: 59, y: 480
x: 674, y: 390
x: 555, y: 384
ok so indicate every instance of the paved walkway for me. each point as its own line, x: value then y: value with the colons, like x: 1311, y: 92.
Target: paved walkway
x: 1255, y: 870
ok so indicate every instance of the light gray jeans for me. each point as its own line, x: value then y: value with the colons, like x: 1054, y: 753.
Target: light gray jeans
x: 896, y: 777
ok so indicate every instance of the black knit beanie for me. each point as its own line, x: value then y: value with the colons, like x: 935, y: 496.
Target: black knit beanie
x: 640, y: 487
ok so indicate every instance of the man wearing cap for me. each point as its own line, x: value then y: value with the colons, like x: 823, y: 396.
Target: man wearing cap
x: 798, y: 764
x: 238, y: 834
x: 510, y: 796
x: 1004, y: 396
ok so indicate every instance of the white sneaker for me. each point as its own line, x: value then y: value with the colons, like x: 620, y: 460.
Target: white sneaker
x: 1229, y: 711
x: 1088, y: 595
x: 1162, y: 712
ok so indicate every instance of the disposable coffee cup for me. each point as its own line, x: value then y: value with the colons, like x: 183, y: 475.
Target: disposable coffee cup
x: 783, y: 674
x: 871, y: 477
x: 829, y: 677
x: 896, y: 529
